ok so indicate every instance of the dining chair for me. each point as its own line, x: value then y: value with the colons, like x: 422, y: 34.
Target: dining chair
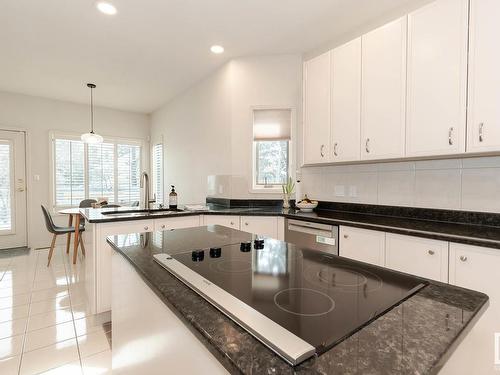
x: 87, y: 203
x: 58, y: 230
x: 111, y: 206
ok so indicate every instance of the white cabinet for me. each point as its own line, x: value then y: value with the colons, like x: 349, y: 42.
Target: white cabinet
x: 362, y: 244
x: 437, y: 78
x: 417, y: 256
x: 483, y: 124
x: 316, y: 131
x: 262, y: 225
x: 383, y: 90
x: 177, y: 222
x: 476, y: 268
x: 230, y: 221
x: 346, y: 101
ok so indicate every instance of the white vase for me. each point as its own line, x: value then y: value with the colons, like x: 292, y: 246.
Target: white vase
x: 286, y: 200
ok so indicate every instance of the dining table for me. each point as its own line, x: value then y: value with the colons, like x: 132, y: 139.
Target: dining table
x: 73, y: 217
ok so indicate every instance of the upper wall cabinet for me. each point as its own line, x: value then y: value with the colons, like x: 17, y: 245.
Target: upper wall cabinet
x: 383, y: 89
x: 484, y: 77
x: 316, y: 135
x: 437, y: 78
x: 346, y: 101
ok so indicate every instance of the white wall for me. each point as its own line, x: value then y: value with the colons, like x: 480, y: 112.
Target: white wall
x: 207, y: 130
x: 38, y: 116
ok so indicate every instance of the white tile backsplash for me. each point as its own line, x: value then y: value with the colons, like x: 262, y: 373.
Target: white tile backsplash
x: 470, y: 184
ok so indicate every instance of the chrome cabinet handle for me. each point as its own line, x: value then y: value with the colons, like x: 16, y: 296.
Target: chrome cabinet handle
x: 322, y: 151
x: 463, y: 258
x: 367, y: 145
x: 481, y: 136
x: 450, y: 136
x: 431, y: 252
x: 335, y: 146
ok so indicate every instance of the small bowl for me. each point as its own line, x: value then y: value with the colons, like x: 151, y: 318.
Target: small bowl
x: 307, y: 207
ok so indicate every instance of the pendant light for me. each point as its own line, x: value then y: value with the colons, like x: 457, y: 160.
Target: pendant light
x: 91, y: 137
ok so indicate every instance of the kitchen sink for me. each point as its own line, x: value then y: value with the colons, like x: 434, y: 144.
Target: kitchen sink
x: 155, y: 211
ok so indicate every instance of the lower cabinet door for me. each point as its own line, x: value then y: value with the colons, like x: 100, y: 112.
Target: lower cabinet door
x: 477, y: 268
x: 177, y: 222
x: 227, y: 221
x: 417, y: 256
x: 362, y: 244
x: 261, y: 225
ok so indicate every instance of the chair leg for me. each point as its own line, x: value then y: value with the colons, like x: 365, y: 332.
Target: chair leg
x: 70, y: 224
x: 82, y: 245
x: 53, y: 243
x: 76, y: 238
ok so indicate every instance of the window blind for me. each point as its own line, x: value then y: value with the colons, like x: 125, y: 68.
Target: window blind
x: 272, y: 124
x: 5, y: 187
x: 110, y: 169
x: 158, y: 172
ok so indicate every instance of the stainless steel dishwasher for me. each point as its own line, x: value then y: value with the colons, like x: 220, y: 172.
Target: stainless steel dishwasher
x: 314, y: 236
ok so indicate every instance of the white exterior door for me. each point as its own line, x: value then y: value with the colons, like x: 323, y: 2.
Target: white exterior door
x: 484, y: 77
x: 12, y: 189
x: 437, y: 76
x: 383, y: 91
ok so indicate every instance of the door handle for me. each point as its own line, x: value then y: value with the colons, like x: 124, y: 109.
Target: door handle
x: 481, y: 136
x: 450, y: 136
x: 322, y: 151
x: 335, y: 147
x: 367, y: 145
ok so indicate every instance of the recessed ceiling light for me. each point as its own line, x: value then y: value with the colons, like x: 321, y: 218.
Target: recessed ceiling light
x: 217, y: 49
x: 106, y: 8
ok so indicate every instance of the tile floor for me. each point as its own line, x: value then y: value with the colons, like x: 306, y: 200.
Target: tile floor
x: 45, y: 323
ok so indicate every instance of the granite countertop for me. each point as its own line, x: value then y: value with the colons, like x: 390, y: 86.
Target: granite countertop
x: 472, y: 234
x: 415, y: 337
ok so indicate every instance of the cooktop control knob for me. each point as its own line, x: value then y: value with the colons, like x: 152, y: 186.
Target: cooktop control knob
x: 197, y: 255
x: 215, y: 252
x: 246, y: 246
x: 258, y: 243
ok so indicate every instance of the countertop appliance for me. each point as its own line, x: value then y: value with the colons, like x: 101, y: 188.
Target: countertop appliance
x: 299, y: 302
x: 313, y: 236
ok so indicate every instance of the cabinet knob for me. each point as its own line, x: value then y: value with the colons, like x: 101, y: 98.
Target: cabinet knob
x: 481, y: 135
x: 367, y: 145
x: 335, y: 149
x: 163, y: 226
x: 146, y: 228
x: 246, y: 223
x: 346, y: 236
x: 463, y: 258
x: 450, y: 136
x: 322, y: 151
x: 431, y: 252
x: 232, y: 223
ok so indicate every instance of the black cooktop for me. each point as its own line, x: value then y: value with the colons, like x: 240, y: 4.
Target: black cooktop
x: 319, y: 297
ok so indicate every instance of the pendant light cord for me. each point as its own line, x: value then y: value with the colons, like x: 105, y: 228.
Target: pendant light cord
x: 91, y: 110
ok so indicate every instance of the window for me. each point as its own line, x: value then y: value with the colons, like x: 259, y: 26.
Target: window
x: 5, y: 186
x: 271, y: 139
x: 110, y: 169
x: 158, y: 172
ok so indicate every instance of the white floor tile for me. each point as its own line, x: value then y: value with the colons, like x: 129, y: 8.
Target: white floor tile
x: 98, y: 364
x: 93, y: 343
x: 49, y: 357
x: 93, y: 323
x: 13, y: 327
x: 47, y: 336
x: 50, y: 305
x: 73, y: 368
x: 51, y: 293
x: 11, y: 346
x: 17, y: 300
x: 10, y: 366
x: 14, y: 313
x: 80, y: 311
x: 48, y: 319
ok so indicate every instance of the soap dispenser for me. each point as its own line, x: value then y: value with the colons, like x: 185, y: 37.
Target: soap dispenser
x: 172, y: 199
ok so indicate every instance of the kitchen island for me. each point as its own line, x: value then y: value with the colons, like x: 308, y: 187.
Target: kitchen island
x: 156, y: 314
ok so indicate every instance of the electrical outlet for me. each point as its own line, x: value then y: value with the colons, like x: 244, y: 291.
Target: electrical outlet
x: 339, y: 190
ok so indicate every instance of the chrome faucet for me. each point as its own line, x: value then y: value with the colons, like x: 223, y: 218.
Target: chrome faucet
x: 145, y: 184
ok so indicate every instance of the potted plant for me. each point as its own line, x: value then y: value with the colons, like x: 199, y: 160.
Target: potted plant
x: 288, y: 189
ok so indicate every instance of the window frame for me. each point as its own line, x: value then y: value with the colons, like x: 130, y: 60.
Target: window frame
x: 53, y: 135
x: 153, y: 170
x: 273, y: 188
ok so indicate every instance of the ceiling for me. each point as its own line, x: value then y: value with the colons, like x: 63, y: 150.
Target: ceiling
x: 152, y: 50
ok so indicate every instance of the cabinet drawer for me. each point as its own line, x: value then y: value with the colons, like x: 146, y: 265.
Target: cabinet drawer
x: 262, y: 225
x: 177, y: 222
x: 417, y: 256
x: 227, y: 221
x: 362, y: 244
